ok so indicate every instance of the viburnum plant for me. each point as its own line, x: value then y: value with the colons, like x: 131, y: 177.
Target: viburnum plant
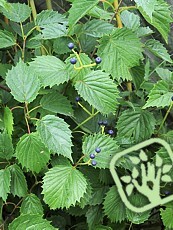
x: 80, y: 83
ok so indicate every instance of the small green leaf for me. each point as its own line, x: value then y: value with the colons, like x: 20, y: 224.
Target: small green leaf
x: 18, y: 181
x: 50, y: 70
x: 52, y: 24
x: 135, y: 173
x: 6, y: 146
x: 8, y: 120
x: 99, y: 91
x: 5, y: 179
x: 94, y: 216
x: 166, y: 178
x: 143, y: 156
x: 30, y: 222
x: 67, y: 190
x: 147, y: 6
x: 98, y: 12
x: 80, y: 9
x: 23, y: 83
x: 32, y: 153
x: 166, y: 168
x: 7, y: 39
x: 167, y: 216
x: 31, y: 205
x: 16, y: 12
x: 134, y: 160
x: 57, y: 103
x: 113, y: 206
x: 107, y: 145
x: 159, y: 161
x: 56, y: 135
x: 129, y: 189
x: 126, y: 179
x: 130, y: 20
x: 165, y: 74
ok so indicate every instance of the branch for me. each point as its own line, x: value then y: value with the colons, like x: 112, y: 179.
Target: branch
x: 5, y: 88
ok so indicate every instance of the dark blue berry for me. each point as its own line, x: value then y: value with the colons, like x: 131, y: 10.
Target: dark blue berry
x: 100, y: 122
x: 73, y: 61
x: 70, y: 45
x: 105, y: 123
x: 172, y: 98
x: 77, y: 99
x: 110, y: 131
x: 167, y: 193
x: 92, y: 155
x: 93, y: 162
x: 98, y: 150
x: 98, y: 60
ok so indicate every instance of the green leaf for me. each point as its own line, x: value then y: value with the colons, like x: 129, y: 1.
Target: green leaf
x: 57, y: 103
x: 6, y: 39
x: 167, y: 215
x: 160, y: 95
x: 30, y: 222
x: 98, y: 12
x: 147, y: 6
x: 166, y: 178
x: 138, y: 124
x: 120, y: 51
x: 94, y: 216
x: 161, y: 18
x: 23, y: 83
x: 6, y: 146
x: 129, y: 189
x: 32, y: 153
x: 143, y: 156
x: 138, y: 201
x: 134, y: 160
x: 97, y: 28
x: 52, y: 24
x: 158, y: 49
x: 126, y: 179
x: 135, y: 173
x: 165, y: 74
x: 159, y: 161
x: 31, y: 205
x: 87, y: 196
x: 16, y: 12
x: 113, y: 206
x: 8, y: 120
x: 80, y: 9
x: 63, y: 186
x: 5, y: 179
x: 18, y: 181
x: 50, y: 70
x: 107, y: 145
x: 166, y: 168
x: 56, y: 135
x: 98, y: 194
x: 130, y: 20
x: 99, y: 91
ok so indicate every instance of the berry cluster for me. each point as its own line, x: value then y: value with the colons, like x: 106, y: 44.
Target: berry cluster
x: 105, y: 123
x: 93, y: 155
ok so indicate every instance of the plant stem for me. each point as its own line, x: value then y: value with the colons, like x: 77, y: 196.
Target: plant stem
x: 26, y: 119
x: 49, y: 4
x: 164, y: 119
x: 17, y: 107
x: 33, y: 8
x: 86, y: 110
x: 127, y: 8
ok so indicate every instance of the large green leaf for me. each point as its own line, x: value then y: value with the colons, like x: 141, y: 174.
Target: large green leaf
x: 23, y: 83
x: 107, y: 145
x: 94, y: 216
x: 97, y: 28
x: 30, y: 222
x: 113, y: 206
x: 32, y: 153
x: 119, y: 52
x: 52, y: 24
x: 147, y: 6
x: 160, y: 95
x: 138, y: 125
x: 50, y: 70
x: 80, y: 9
x: 158, y: 49
x: 5, y: 179
x: 99, y: 91
x: 63, y: 186
x: 130, y: 20
x: 31, y: 204
x: 98, y: 12
x: 16, y: 12
x: 167, y: 215
x: 57, y: 103
x: 161, y: 18
x: 8, y: 120
x: 18, y: 181
x: 7, y: 39
x: 6, y: 146
x: 56, y: 135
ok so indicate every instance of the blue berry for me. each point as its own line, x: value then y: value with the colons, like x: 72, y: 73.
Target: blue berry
x: 77, y: 99
x: 110, y: 131
x: 172, y: 98
x: 100, y: 122
x: 73, y: 61
x: 93, y: 162
x: 98, y: 60
x: 92, y: 155
x: 167, y: 193
x: 105, y: 123
x: 98, y: 150
x: 70, y: 45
